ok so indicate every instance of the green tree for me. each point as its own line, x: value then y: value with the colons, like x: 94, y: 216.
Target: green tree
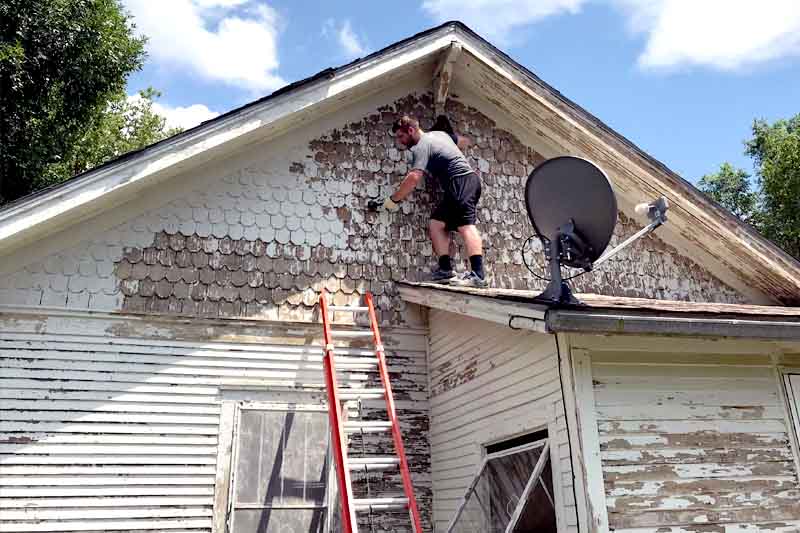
x: 775, y: 149
x: 61, y: 63
x: 126, y: 124
x: 730, y: 187
x: 774, y: 207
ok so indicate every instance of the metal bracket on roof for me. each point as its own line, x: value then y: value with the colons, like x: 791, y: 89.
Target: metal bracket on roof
x: 443, y: 75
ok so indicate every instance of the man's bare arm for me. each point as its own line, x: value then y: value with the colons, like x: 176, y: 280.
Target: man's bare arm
x: 407, y: 185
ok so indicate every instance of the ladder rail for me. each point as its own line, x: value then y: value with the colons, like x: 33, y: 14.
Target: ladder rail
x: 408, y: 487
x: 337, y: 427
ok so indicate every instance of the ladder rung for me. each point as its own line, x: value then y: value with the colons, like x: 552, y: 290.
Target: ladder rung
x: 372, y: 463
x: 352, y: 309
x: 345, y: 370
x: 362, y: 394
x: 349, y: 333
x: 367, y: 426
x: 355, y: 360
x: 362, y: 504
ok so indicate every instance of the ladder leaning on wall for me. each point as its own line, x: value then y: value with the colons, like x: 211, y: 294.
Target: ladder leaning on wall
x: 340, y: 427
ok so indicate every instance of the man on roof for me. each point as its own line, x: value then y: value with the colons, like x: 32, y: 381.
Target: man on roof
x: 437, y: 154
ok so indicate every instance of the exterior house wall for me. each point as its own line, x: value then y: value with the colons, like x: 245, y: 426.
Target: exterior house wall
x: 490, y: 383
x: 692, y: 439
x: 259, y: 234
x: 113, y: 423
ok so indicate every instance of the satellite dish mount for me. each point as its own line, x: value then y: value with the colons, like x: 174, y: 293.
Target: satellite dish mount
x: 574, y: 211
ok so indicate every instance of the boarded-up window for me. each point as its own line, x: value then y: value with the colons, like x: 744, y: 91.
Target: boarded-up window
x: 511, y: 493
x: 281, y: 471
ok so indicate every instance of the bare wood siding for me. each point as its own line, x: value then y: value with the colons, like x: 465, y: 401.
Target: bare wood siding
x: 110, y: 425
x: 489, y: 383
x: 694, y: 447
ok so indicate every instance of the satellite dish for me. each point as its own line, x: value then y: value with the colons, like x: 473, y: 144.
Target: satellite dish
x: 574, y: 211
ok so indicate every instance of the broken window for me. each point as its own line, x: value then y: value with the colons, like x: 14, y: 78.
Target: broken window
x: 281, y: 471
x: 511, y: 493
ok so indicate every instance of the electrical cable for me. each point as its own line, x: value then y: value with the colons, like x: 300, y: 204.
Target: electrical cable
x: 528, y: 266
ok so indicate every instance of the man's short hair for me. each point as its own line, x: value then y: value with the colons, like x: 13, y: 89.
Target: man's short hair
x: 405, y: 121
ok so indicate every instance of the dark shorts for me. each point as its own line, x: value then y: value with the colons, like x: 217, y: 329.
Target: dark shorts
x: 459, y: 206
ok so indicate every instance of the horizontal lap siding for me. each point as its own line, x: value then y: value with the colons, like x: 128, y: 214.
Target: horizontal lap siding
x: 488, y: 383
x: 694, y: 447
x: 103, y: 433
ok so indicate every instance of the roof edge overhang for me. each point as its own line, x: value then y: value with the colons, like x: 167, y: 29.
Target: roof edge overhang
x: 518, y: 313
x: 598, y: 321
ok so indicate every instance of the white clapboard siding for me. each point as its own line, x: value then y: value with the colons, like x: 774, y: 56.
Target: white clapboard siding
x: 700, y: 444
x: 489, y: 383
x: 104, y: 432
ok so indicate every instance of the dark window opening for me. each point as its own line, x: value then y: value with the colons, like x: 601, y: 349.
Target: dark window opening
x: 516, y: 442
x: 512, y: 491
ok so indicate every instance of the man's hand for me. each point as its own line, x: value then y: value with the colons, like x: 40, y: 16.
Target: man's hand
x: 387, y: 203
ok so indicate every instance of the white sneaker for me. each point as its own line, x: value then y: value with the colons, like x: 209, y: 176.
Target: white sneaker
x: 469, y: 279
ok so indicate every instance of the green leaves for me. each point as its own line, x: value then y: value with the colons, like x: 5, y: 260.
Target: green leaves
x: 126, y: 124
x: 774, y: 209
x: 61, y: 62
x: 776, y: 150
x: 730, y: 187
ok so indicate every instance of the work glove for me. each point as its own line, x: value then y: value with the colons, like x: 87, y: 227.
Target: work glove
x: 387, y: 203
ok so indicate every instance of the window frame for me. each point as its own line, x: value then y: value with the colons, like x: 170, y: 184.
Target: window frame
x: 228, y: 450
x: 791, y: 397
x: 530, y: 485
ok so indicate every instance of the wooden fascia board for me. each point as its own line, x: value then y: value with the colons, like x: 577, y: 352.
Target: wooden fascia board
x: 514, y: 314
x: 710, y: 224
x: 637, y: 323
x: 443, y: 75
x: 18, y: 220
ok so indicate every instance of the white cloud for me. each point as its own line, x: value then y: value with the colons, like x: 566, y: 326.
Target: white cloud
x: 722, y: 34
x: 184, y: 117
x: 210, y: 39
x: 220, y: 3
x: 180, y: 117
x: 351, y: 44
x: 496, y: 18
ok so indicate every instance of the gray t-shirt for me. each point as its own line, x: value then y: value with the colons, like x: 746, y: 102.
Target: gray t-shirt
x: 438, y: 155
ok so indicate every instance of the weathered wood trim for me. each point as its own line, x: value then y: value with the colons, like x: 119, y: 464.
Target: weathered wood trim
x: 176, y: 328
x: 555, y: 468
x: 579, y: 472
x: 629, y: 323
x: 525, y: 316
x: 444, y: 75
x: 223, y: 475
x: 590, y: 440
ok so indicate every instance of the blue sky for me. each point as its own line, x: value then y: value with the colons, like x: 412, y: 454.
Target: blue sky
x: 683, y: 79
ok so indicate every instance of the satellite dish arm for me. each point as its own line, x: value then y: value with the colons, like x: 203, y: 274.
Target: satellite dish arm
x: 657, y: 213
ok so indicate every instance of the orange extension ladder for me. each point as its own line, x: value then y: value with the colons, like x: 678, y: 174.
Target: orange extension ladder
x: 340, y: 427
